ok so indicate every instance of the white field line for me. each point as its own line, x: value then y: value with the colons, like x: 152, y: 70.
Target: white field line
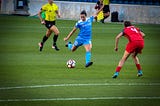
x: 68, y: 99
x: 80, y: 85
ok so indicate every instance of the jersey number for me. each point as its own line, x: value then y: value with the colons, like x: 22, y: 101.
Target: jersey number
x: 134, y: 29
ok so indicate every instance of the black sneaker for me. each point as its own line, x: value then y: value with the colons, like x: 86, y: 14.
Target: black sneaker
x: 102, y: 21
x: 88, y: 64
x: 40, y: 46
x: 55, y: 47
x: 114, y: 76
x: 66, y: 45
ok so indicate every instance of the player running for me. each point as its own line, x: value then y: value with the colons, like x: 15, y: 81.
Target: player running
x: 135, y: 46
x: 51, y: 11
x: 84, y: 37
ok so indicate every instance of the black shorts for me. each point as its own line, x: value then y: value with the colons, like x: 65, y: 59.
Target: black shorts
x: 106, y: 9
x: 49, y: 24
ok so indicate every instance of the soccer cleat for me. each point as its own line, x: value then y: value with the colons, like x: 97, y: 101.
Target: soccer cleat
x: 140, y: 74
x: 40, y: 46
x: 55, y: 47
x: 115, y: 75
x: 67, y: 44
x: 88, y: 64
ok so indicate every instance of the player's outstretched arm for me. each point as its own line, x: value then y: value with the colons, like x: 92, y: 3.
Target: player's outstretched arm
x: 100, y: 9
x: 70, y: 34
x: 117, y: 40
x: 40, y: 17
x: 58, y: 13
x: 95, y: 15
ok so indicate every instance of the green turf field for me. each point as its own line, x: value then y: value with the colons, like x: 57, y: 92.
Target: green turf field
x: 32, y: 78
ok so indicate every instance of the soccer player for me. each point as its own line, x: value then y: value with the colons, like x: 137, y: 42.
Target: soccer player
x: 51, y: 11
x: 84, y: 37
x: 98, y: 5
x: 134, y: 46
x: 106, y: 10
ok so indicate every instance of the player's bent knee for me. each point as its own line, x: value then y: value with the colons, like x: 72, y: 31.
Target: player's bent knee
x: 57, y: 33
x: 48, y: 34
x: 55, y: 30
x: 133, y: 56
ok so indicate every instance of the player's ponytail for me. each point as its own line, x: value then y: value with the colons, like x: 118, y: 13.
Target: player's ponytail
x: 127, y: 23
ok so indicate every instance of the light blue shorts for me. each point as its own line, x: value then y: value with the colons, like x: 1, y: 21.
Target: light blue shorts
x: 80, y: 41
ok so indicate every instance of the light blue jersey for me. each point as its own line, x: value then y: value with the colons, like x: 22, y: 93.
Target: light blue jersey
x: 84, y: 37
x: 85, y: 28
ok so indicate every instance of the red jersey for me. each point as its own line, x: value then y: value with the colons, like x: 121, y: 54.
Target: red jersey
x: 132, y: 33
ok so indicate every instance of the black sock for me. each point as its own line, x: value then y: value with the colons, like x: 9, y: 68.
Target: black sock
x: 105, y: 17
x: 55, y: 39
x: 44, y: 39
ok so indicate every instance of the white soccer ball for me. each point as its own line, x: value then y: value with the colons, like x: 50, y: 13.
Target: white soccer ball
x: 71, y: 63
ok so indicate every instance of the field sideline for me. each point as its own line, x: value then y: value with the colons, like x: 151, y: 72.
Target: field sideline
x: 32, y: 78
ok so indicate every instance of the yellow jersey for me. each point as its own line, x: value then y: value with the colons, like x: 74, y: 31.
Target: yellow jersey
x: 50, y: 11
x: 106, y: 2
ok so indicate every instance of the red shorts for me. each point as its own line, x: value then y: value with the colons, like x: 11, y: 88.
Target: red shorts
x: 135, y: 46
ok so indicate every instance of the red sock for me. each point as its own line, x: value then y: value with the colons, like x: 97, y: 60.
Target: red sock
x: 138, y: 67
x: 118, y: 69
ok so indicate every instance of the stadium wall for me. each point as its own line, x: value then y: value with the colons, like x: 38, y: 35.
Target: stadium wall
x: 7, y: 6
x: 71, y: 10
x: 134, y: 13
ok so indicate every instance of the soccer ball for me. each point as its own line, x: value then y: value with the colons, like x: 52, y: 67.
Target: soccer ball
x: 71, y: 63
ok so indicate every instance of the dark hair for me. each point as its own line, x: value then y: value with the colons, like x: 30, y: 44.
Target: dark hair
x: 84, y: 12
x: 127, y: 23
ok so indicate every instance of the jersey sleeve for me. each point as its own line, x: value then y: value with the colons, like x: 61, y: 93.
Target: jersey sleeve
x: 139, y: 30
x: 44, y: 8
x: 56, y: 7
x: 77, y: 25
x: 92, y: 18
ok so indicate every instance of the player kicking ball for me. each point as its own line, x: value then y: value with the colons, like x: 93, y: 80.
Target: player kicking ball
x: 84, y: 37
x: 135, y: 46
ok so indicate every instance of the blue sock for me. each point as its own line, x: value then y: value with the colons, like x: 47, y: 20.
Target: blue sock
x: 69, y: 45
x: 140, y: 71
x: 116, y: 73
x: 88, y: 57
